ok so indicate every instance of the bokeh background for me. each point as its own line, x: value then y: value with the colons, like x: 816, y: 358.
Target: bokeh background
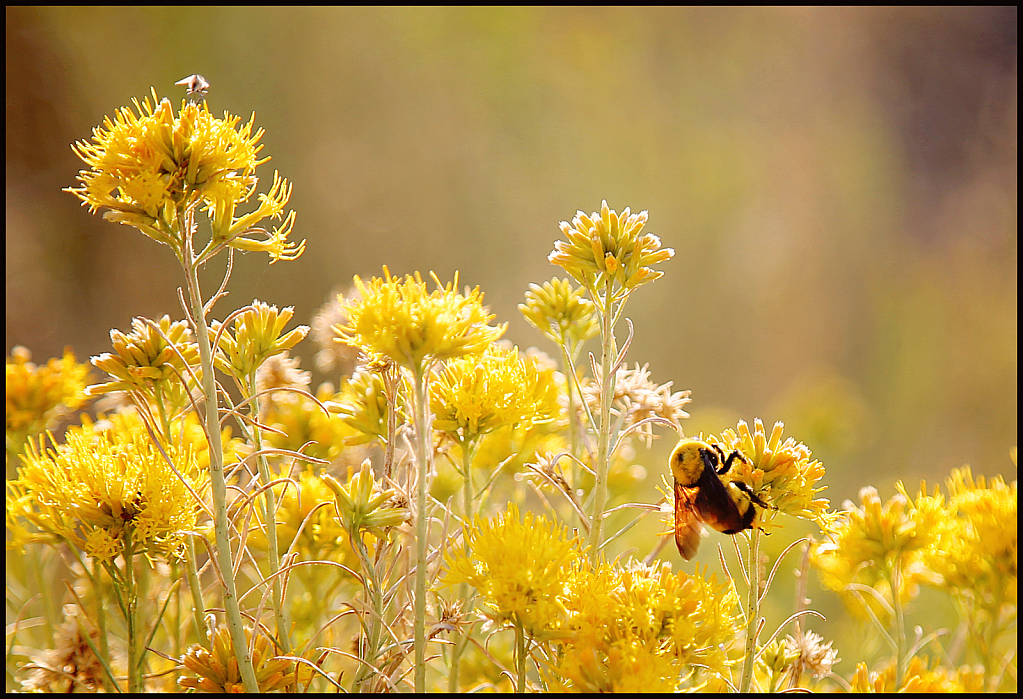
x: 839, y: 187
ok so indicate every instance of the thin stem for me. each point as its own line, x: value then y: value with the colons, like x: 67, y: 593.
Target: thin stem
x: 270, y: 518
x: 520, y: 659
x: 218, y: 486
x: 422, y: 462
x: 131, y: 609
x: 752, y: 611
x: 607, y: 385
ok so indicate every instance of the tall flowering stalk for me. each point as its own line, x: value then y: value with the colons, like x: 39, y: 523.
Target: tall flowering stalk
x: 781, y: 474
x: 609, y: 255
x: 400, y: 321
x: 156, y: 170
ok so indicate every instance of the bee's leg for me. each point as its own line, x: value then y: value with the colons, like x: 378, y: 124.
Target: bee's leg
x: 727, y: 463
x: 746, y: 489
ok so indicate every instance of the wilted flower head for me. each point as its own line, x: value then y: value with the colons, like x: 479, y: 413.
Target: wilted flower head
x: 332, y: 354
x: 401, y: 321
x: 636, y: 398
x: 37, y: 395
x: 147, y: 167
x: 71, y: 664
x: 606, y: 247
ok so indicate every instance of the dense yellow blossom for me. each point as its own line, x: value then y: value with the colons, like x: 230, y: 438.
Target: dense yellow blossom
x: 977, y: 547
x: 472, y: 396
x: 608, y: 247
x: 638, y: 627
x: 36, y: 395
x: 519, y: 567
x: 148, y: 167
x: 401, y: 321
x: 780, y: 473
x: 99, y: 488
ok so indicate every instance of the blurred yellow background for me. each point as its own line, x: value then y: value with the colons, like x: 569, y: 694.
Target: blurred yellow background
x: 839, y: 187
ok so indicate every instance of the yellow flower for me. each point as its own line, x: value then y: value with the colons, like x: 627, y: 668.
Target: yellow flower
x: 976, y: 551
x: 401, y: 321
x: 362, y: 405
x: 301, y: 424
x: 38, y: 395
x: 780, y: 473
x: 561, y: 312
x: 519, y: 568
x: 256, y: 338
x: 608, y: 247
x: 147, y: 167
x: 216, y: 670
x: 151, y: 361
x: 639, y: 622
x: 471, y: 396
x: 875, y: 544
x: 917, y: 679
x: 363, y: 505
x: 322, y: 536
x: 100, y: 487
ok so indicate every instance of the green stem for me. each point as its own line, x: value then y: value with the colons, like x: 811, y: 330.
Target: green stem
x: 218, y: 486
x: 752, y: 611
x: 607, y: 383
x: 520, y: 659
x: 468, y: 451
x: 375, y: 594
x: 900, y: 626
x: 270, y: 519
x: 422, y: 462
x: 131, y: 609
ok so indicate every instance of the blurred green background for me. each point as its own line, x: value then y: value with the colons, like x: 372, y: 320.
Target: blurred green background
x: 839, y: 187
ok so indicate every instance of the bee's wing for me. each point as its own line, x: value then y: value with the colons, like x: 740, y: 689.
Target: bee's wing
x: 687, y: 526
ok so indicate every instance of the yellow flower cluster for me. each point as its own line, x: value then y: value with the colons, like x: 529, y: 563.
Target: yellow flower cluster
x: 36, y: 395
x: 149, y: 167
x: 472, y: 396
x: 320, y: 537
x: 152, y: 360
x: 976, y: 540
x: 100, y: 488
x: 780, y: 473
x: 561, y: 312
x: 256, y: 338
x: 364, y: 505
x: 403, y: 322
x: 607, y: 247
x: 919, y: 678
x: 634, y: 628
x: 216, y: 670
x: 519, y: 566
x: 869, y: 543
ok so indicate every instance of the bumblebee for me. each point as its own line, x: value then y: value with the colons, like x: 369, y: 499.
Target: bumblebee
x: 701, y: 495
